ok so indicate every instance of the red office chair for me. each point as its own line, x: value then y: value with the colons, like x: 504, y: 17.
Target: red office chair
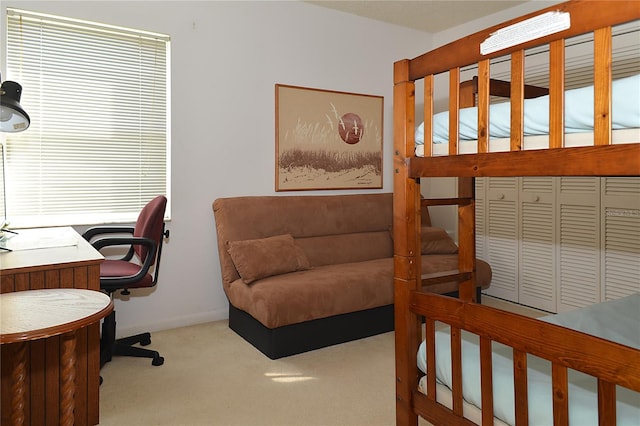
x: 145, y: 242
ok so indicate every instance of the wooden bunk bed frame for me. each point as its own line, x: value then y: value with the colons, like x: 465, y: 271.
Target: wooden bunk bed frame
x: 611, y: 363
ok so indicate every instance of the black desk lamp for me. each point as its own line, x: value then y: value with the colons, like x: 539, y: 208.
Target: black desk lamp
x: 13, y: 117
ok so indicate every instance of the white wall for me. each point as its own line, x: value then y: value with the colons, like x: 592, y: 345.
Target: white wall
x: 226, y: 59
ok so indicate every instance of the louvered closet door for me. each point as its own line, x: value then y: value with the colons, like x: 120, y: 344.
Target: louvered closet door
x: 578, y: 242
x: 620, y: 237
x: 502, y: 236
x: 536, y: 255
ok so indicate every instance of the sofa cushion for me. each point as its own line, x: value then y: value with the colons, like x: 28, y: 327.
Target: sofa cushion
x: 436, y: 241
x: 330, y: 290
x: 264, y: 257
x: 347, y: 248
x: 319, y: 292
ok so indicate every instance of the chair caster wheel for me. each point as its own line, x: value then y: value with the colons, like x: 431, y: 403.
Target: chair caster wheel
x: 146, y: 341
x: 158, y: 360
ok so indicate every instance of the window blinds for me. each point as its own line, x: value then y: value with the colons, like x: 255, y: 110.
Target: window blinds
x: 97, y: 149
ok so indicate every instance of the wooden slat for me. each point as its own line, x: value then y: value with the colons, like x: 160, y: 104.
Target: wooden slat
x: 454, y: 108
x: 602, y: 86
x: 446, y: 201
x: 456, y: 370
x: 517, y: 100
x: 556, y: 94
x: 500, y: 88
x: 560, y: 392
x: 483, y: 106
x: 486, y: 381
x: 437, y: 414
x: 521, y: 398
x: 613, y: 160
x: 445, y: 277
x: 428, y: 116
x: 606, y: 403
x: 430, y: 340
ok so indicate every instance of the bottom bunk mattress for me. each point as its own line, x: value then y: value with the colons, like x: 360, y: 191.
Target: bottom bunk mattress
x: 616, y: 320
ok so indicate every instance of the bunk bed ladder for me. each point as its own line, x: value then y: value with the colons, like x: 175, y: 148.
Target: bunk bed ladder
x: 466, y: 269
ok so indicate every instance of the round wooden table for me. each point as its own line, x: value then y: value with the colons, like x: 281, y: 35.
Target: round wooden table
x: 39, y: 314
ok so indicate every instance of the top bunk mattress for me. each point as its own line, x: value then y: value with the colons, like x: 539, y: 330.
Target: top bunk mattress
x: 578, y: 121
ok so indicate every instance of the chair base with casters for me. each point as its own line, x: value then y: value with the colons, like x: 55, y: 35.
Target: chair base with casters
x: 110, y: 346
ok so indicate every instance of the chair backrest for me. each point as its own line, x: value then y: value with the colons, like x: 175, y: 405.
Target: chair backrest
x: 150, y: 224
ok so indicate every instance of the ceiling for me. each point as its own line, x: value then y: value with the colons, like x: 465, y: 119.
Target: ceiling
x: 426, y: 15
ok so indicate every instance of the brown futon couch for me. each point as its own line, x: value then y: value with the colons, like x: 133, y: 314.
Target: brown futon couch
x: 305, y: 272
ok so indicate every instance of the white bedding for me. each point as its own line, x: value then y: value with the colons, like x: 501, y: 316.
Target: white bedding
x: 578, y: 120
x: 617, y: 320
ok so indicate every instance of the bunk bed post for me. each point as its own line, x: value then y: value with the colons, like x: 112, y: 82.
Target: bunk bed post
x: 467, y: 237
x: 406, y: 226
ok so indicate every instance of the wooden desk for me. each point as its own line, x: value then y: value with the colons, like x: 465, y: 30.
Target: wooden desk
x: 59, y: 267
x: 38, y: 314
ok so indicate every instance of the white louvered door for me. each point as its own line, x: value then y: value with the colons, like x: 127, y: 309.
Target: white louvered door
x: 578, y: 260
x: 537, y: 274
x: 620, y: 235
x: 560, y: 243
x: 501, y: 236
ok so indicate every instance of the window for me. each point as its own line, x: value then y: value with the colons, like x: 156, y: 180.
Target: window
x: 98, y: 146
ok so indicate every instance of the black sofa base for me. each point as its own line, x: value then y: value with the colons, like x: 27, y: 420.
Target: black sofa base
x: 310, y: 335
x: 315, y: 334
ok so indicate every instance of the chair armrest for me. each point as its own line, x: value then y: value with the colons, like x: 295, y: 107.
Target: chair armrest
x: 91, y: 233
x: 98, y: 230
x: 132, y: 241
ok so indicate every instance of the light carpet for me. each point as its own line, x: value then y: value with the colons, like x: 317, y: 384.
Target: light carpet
x: 211, y: 376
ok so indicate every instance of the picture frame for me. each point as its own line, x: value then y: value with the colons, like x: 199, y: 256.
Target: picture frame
x: 327, y: 139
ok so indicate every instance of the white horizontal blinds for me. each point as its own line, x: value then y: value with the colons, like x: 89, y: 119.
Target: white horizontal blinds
x: 620, y: 237
x: 97, y: 96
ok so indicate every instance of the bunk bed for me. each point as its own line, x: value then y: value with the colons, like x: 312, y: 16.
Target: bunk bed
x: 421, y: 316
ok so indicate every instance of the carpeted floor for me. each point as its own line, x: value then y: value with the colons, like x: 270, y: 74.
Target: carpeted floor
x: 211, y: 376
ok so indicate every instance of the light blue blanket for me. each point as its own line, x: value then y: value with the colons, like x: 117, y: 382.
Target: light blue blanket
x: 617, y: 320
x: 578, y: 114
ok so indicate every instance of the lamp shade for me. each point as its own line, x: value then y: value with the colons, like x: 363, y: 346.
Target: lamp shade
x: 13, y: 117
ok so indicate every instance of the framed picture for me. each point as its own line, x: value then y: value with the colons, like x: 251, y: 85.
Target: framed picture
x: 327, y: 139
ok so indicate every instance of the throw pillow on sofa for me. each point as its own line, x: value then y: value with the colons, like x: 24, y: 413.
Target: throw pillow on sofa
x: 264, y: 257
x: 436, y: 241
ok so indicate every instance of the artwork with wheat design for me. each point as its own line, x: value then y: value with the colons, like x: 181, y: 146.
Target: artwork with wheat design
x: 327, y: 139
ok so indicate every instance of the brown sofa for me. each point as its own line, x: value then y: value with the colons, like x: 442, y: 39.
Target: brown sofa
x: 305, y: 272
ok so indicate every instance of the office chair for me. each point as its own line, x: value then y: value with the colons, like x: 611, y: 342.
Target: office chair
x: 133, y: 270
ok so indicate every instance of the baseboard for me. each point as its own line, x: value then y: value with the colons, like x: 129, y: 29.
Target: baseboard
x: 310, y: 335
x: 174, y: 322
